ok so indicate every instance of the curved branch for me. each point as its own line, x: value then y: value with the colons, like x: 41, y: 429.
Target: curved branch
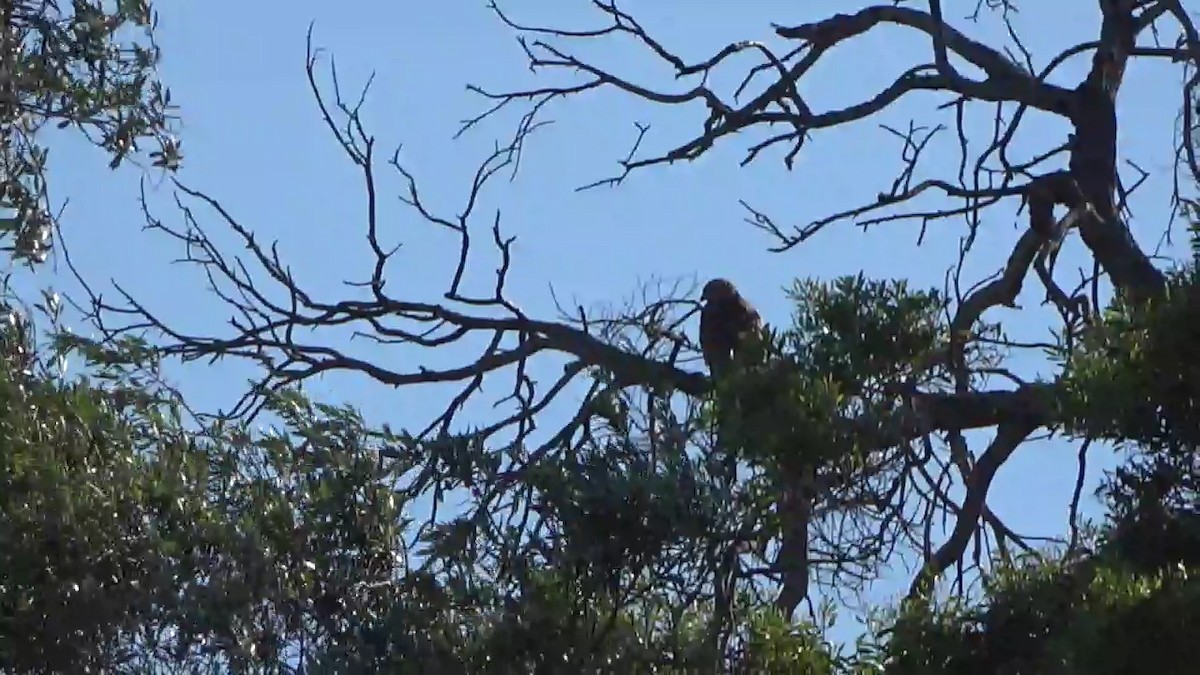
x: 1009, y: 435
x: 1005, y: 80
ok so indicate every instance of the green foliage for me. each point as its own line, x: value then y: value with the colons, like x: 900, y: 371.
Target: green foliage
x: 85, y: 522
x: 135, y: 542
x: 91, y: 67
x: 855, y: 345
x: 218, y: 547
x: 1129, y: 604
x: 1051, y: 616
x: 1136, y: 381
x: 864, y: 333
x: 777, y: 645
x: 1137, y: 376
x: 130, y: 541
x: 1191, y: 209
x: 135, y: 537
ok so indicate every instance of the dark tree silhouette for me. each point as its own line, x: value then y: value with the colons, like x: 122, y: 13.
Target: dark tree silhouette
x: 641, y: 358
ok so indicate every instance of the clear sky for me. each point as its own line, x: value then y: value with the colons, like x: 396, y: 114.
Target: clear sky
x: 253, y: 138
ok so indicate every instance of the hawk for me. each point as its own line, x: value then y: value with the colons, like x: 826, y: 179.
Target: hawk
x: 725, y: 320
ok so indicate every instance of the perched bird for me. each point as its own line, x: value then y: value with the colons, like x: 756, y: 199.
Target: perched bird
x: 725, y: 321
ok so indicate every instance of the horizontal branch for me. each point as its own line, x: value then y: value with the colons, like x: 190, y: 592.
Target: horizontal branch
x: 1006, y: 81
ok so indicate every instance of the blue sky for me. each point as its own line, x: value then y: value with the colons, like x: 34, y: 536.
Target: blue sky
x: 253, y: 138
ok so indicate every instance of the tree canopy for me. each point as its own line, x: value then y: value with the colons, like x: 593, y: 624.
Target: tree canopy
x: 88, y: 67
x: 675, y: 521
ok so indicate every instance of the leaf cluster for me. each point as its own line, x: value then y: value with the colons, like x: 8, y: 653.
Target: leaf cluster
x: 91, y: 66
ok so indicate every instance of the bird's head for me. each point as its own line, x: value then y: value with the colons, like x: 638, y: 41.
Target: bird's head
x: 718, y: 289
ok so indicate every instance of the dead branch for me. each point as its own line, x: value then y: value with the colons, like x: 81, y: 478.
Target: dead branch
x: 643, y: 351
x: 1085, y: 187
